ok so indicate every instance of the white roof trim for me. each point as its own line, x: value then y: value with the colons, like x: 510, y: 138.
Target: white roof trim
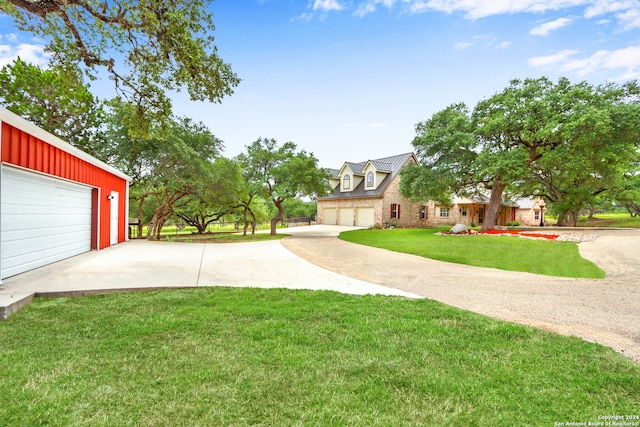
x: 25, y: 125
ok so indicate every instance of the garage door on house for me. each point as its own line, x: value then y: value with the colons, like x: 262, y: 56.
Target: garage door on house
x: 364, y: 217
x: 346, y: 216
x: 329, y: 216
x: 44, y: 220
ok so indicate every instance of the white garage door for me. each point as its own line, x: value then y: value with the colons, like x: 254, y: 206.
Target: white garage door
x: 329, y: 216
x: 364, y: 217
x: 43, y: 220
x: 346, y: 216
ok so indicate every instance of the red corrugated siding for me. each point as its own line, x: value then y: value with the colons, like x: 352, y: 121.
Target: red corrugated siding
x: 22, y: 149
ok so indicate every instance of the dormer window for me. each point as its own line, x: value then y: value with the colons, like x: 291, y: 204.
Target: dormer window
x: 370, y: 179
x: 346, y: 182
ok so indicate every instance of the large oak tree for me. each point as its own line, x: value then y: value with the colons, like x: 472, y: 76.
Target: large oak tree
x: 282, y: 172
x: 147, y: 47
x: 55, y: 99
x: 533, y: 129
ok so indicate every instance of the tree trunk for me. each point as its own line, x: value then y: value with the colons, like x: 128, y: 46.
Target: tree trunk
x: 491, y: 216
x: 276, y: 219
x: 140, y: 203
x: 574, y: 217
x: 161, y: 213
x: 633, y: 209
x: 254, y: 222
x: 563, y: 218
x: 244, y: 218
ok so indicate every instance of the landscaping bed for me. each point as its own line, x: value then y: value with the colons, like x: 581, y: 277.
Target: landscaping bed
x: 539, y: 235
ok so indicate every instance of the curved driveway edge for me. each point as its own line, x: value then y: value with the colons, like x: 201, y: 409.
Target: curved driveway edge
x: 604, y: 311
x: 140, y: 264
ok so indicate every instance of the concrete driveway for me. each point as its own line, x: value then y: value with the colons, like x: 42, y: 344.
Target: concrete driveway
x: 140, y: 264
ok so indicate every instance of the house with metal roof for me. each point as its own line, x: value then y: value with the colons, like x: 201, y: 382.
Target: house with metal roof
x: 367, y: 194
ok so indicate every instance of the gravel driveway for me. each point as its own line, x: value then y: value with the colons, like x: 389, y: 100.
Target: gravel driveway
x: 604, y: 311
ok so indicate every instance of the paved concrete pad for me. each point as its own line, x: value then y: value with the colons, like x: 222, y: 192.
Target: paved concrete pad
x: 140, y: 264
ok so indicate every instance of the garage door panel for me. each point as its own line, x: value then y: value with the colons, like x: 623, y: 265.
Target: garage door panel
x: 365, y: 217
x: 19, y: 244
x: 346, y: 216
x: 43, y: 220
x: 329, y: 216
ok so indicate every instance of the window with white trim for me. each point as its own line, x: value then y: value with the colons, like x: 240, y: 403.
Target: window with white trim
x: 346, y: 182
x: 369, y: 179
x: 445, y: 212
x: 464, y: 211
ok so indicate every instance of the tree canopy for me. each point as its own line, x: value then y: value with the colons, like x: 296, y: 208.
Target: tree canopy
x: 166, y: 167
x: 532, y: 130
x: 148, y: 47
x: 55, y: 99
x: 282, y: 172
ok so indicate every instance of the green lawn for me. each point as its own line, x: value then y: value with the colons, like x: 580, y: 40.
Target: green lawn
x: 615, y: 220
x: 608, y: 220
x: 550, y: 258
x: 239, y: 357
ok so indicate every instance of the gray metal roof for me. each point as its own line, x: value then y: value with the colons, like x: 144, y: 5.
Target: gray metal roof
x: 382, y: 166
x: 356, y: 168
x: 334, y: 172
x: 392, y: 165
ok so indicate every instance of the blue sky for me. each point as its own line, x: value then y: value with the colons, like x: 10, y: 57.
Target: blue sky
x: 349, y: 79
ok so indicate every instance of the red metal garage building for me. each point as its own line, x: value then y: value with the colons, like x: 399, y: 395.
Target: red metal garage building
x: 56, y: 201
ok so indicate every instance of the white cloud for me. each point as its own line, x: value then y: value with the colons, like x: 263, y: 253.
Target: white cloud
x: 601, y: 7
x: 370, y: 6
x: 31, y: 53
x: 365, y: 9
x: 627, y: 12
x: 626, y: 60
x: 464, y: 45
x: 9, y: 36
x: 305, y: 17
x: 547, y: 27
x: 551, y: 60
x: 327, y: 5
x: 476, y: 9
x: 630, y: 19
x: 486, y: 40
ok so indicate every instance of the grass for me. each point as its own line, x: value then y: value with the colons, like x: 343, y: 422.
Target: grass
x: 608, y: 220
x: 614, y: 220
x: 239, y: 357
x: 551, y: 258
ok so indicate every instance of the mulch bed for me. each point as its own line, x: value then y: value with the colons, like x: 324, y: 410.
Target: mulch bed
x: 548, y: 236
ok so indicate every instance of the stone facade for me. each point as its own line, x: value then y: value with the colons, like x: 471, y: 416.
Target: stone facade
x: 409, y: 211
x: 378, y: 203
